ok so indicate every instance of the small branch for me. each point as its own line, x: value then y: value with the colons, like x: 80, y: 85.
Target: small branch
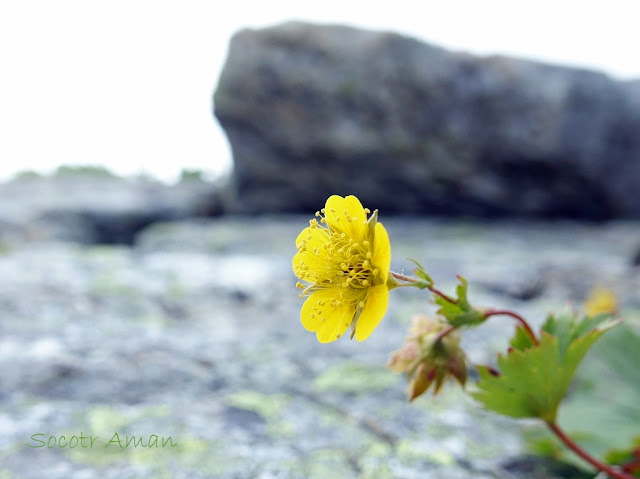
x: 516, y: 316
x: 614, y: 473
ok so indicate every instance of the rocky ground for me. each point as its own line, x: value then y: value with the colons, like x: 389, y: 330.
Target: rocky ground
x: 192, y: 332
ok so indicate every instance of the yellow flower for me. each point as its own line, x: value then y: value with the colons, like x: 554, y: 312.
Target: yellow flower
x: 600, y: 300
x: 346, y: 265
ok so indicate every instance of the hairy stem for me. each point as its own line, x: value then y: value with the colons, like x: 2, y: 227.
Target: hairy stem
x: 614, y: 473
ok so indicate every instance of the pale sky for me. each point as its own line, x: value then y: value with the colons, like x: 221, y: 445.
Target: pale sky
x: 128, y: 83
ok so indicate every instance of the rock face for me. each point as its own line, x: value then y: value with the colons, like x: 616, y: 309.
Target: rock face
x: 193, y: 333
x: 316, y: 110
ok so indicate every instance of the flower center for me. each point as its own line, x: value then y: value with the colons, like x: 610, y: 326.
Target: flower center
x: 355, y: 269
x: 343, y: 264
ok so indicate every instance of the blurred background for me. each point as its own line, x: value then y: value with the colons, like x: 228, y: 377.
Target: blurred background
x: 128, y: 85
x: 159, y: 160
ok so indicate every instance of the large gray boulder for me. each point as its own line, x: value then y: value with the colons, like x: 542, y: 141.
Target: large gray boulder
x: 316, y: 110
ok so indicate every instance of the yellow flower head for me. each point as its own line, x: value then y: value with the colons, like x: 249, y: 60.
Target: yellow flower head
x: 346, y: 265
x: 600, y: 300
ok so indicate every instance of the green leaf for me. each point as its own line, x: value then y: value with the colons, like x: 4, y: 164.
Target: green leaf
x: 570, y: 326
x: 604, y: 407
x: 460, y: 313
x: 533, y: 380
x: 521, y: 339
x: 630, y: 457
x: 421, y: 273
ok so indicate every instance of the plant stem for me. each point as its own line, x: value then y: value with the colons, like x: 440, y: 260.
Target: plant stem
x: 442, y: 295
x: 614, y: 473
x: 520, y: 319
x: 402, y: 277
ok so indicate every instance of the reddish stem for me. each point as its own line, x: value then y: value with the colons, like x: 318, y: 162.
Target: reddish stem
x: 442, y: 295
x: 520, y: 319
x: 616, y: 474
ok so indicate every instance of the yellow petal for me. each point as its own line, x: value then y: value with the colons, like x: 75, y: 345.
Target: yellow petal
x: 346, y: 215
x: 314, y: 239
x: 374, y: 309
x: 381, y: 257
x: 329, y: 323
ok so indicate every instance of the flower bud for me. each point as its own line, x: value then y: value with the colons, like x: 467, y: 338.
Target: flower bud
x: 431, y: 355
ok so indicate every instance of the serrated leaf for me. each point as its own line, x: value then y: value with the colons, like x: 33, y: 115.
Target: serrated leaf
x: 421, y: 273
x: 569, y: 326
x: 604, y: 408
x: 460, y: 313
x: 527, y: 384
x: 521, y: 339
x: 533, y: 381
